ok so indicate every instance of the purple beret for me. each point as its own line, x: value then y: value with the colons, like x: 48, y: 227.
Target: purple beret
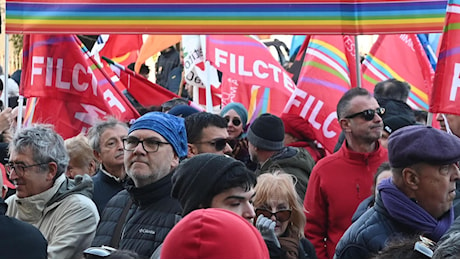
x: 419, y: 143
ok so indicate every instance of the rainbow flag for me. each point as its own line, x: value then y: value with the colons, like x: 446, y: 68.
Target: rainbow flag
x: 328, y: 71
x: 224, y: 17
x: 402, y: 57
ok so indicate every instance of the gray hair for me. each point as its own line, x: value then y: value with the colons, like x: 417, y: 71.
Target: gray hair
x: 95, y: 132
x: 46, y: 146
x: 448, y: 248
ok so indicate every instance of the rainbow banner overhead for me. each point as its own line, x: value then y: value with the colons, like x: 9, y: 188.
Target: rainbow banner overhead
x: 229, y: 17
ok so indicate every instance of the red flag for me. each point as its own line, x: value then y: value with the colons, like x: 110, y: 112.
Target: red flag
x: 326, y: 75
x: 249, y: 70
x: 446, y: 88
x: 73, y: 91
x: 402, y: 57
x: 121, y: 48
x: 144, y: 91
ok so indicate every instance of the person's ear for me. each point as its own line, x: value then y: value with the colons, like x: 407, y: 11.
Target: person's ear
x: 411, y: 178
x: 97, y: 155
x: 345, y: 124
x: 192, y: 150
x: 52, y: 171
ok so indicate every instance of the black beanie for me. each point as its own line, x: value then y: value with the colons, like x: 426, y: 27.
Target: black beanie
x: 194, y: 178
x: 393, y: 123
x: 267, y: 133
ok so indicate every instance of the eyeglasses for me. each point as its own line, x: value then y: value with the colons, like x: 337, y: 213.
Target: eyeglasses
x: 368, y: 114
x: 281, y: 215
x: 150, y: 145
x: 19, y: 168
x: 98, y: 252
x: 235, y: 121
x: 219, y: 144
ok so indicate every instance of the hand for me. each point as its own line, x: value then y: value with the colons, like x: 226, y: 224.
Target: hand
x: 266, y: 227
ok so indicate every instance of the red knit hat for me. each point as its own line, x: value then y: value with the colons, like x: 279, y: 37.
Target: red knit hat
x: 214, y: 233
x: 298, y: 127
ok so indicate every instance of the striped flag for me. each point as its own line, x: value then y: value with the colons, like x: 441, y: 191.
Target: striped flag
x: 400, y: 56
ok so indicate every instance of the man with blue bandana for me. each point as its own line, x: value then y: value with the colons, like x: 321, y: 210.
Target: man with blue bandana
x: 139, y: 217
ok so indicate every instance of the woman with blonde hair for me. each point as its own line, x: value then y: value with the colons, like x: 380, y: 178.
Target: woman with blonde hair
x: 280, y: 217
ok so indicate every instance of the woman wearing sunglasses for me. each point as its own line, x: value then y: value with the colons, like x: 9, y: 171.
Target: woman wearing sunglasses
x: 237, y: 117
x: 279, y: 213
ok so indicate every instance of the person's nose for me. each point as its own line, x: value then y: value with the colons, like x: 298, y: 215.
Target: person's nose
x: 439, y: 117
x: 227, y: 149
x: 248, y: 212
x: 456, y: 174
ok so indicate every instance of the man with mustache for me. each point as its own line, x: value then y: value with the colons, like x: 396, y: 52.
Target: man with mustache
x: 105, y: 137
x: 340, y: 181
x: 139, y: 217
x: 416, y: 200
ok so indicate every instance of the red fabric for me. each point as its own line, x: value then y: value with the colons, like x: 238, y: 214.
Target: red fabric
x: 5, y: 178
x: 311, y: 150
x: 298, y: 127
x: 445, y: 94
x: 214, y: 234
x: 144, y: 91
x: 73, y: 92
x: 338, y: 183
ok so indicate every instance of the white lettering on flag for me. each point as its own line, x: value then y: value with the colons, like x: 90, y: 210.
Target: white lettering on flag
x: 455, y: 82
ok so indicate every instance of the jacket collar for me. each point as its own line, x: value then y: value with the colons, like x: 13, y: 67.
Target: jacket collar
x: 146, y: 195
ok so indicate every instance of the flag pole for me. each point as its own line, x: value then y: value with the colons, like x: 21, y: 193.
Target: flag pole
x: 358, y: 63
x: 5, y: 74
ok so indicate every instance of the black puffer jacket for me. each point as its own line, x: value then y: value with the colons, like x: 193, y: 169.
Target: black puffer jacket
x: 150, y: 218
x: 368, y: 235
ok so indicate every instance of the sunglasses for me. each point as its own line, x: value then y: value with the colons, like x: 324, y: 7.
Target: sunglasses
x: 235, y: 121
x: 219, y: 144
x: 281, y: 215
x: 368, y: 114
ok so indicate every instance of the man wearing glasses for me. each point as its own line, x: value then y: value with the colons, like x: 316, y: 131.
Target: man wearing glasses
x: 139, y: 217
x: 340, y: 181
x: 59, y: 207
x: 206, y: 133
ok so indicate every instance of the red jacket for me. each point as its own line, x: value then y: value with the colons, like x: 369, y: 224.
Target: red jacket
x: 338, y: 183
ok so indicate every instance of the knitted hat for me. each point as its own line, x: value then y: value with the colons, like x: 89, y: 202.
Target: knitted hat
x: 239, y: 109
x: 419, y: 143
x: 172, y: 128
x: 267, y: 133
x: 195, y: 178
x: 214, y: 234
x: 298, y: 127
x: 393, y: 123
x: 182, y: 111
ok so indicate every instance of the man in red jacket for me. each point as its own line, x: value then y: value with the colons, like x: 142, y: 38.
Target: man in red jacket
x: 340, y: 181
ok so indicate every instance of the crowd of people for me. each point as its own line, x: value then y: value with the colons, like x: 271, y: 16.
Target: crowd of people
x: 180, y: 183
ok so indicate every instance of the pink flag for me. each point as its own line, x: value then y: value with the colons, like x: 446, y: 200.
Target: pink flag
x: 251, y: 75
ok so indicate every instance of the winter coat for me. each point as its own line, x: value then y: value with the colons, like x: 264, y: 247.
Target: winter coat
x: 338, y: 183
x: 292, y: 160
x: 368, y: 235
x: 150, y: 218
x: 15, y: 233
x: 65, y: 214
x: 105, y: 187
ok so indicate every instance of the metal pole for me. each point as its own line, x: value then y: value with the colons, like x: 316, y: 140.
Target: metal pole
x: 358, y: 63
x: 5, y: 74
